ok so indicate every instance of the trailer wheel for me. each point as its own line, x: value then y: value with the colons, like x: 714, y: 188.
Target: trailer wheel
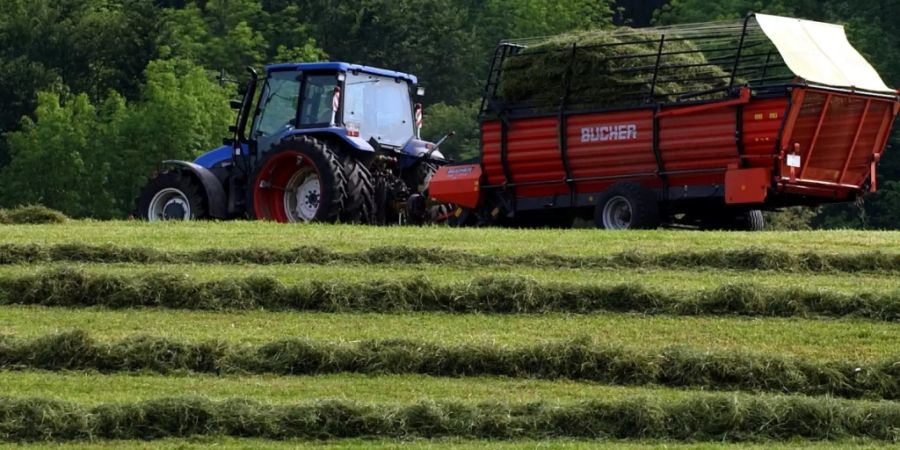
x: 300, y: 180
x: 752, y: 220
x: 755, y: 220
x: 627, y: 206
x: 360, y: 204
x: 172, y: 196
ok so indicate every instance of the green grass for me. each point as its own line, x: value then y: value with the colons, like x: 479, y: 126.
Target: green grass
x: 203, y: 235
x: 700, y: 417
x: 809, y: 339
x: 815, y: 340
x: 90, y: 388
x: 682, y: 280
x: 436, y: 444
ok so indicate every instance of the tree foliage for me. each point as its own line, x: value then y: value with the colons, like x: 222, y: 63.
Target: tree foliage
x: 96, y: 92
x: 88, y: 159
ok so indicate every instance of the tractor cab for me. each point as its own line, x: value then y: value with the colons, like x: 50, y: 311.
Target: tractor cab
x: 318, y: 142
x: 360, y: 105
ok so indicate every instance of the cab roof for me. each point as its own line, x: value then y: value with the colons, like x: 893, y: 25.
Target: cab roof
x: 341, y: 67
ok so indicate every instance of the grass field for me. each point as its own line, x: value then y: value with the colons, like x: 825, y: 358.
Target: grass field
x: 479, y: 240
x: 807, y: 422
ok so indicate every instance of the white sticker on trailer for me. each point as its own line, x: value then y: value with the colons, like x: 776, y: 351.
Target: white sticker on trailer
x: 793, y: 161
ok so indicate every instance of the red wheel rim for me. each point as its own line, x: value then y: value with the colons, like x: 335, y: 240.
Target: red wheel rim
x: 269, y: 187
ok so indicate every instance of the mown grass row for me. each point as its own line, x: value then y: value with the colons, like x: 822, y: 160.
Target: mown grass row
x: 447, y: 443
x: 577, y: 359
x: 741, y: 259
x: 705, y: 417
x: 69, y: 287
x: 810, y: 339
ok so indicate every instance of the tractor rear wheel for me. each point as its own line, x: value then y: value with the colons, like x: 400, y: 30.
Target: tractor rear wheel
x: 627, y: 206
x: 300, y: 180
x: 360, y: 204
x: 172, y: 195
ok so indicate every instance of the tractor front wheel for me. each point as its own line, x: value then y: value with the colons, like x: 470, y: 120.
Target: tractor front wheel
x: 300, y: 180
x: 172, y: 196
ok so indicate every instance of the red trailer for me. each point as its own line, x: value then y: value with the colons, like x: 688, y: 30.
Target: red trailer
x: 797, y: 117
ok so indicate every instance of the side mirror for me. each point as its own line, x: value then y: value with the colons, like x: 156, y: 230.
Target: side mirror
x: 236, y: 104
x: 420, y: 91
x: 242, y: 89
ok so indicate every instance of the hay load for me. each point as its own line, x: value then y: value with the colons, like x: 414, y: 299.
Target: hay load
x: 609, y: 68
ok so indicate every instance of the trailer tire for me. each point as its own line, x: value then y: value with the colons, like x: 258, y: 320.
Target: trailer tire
x: 751, y: 220
x: 627, y: 206
x: 172, y: 195
x: 359, y: 206
x: 305, y: 168
x: 755, y: 220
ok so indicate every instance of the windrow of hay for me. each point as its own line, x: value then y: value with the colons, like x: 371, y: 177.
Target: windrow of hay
x: 732, y: 259
x: 31, y: 214
x: 579, y: 359
x: 69, y: 287
x: 703, y: 417
x: 606, y: 69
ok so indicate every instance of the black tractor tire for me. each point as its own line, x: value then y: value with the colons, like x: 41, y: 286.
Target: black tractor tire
x: 627, y: 206
x: 438, y: 213
x: 359, y: 206
x: 285, y: 170
x: 172, y: 195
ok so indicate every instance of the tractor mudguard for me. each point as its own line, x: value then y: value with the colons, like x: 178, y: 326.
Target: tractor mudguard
x: 217, y: 156
x: 215, y: 193
x: 355, y: 142
x: 416, y: 149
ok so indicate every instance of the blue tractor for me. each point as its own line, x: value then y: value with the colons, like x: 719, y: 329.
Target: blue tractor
x: 313, y: 142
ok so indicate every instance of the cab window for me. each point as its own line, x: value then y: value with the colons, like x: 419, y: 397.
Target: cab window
x: 318, y: 93
x: 279, y: 101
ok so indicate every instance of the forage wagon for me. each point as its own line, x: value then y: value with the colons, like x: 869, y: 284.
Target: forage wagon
x: 703, y: 125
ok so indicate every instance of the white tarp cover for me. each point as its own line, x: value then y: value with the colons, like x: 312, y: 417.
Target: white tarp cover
x: 820, y: 53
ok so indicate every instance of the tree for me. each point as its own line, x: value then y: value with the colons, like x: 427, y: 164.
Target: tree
x: 91, y: 46
x: 441, y: 119
x: 430, y: 38
x: 91, y: 161
x: 52, y: 158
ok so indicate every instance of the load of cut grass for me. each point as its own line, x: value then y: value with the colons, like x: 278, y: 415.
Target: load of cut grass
x: 70, y: 287
x: 31, y: 214
x: 701, y: 417
x: 605, y: 68
x: 578, y: 359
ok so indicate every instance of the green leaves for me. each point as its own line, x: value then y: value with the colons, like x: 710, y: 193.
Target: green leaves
x: 441, y: 119
x: 88, y: 159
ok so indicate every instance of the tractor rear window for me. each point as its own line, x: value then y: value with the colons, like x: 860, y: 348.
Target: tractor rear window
x: 379, y: 107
